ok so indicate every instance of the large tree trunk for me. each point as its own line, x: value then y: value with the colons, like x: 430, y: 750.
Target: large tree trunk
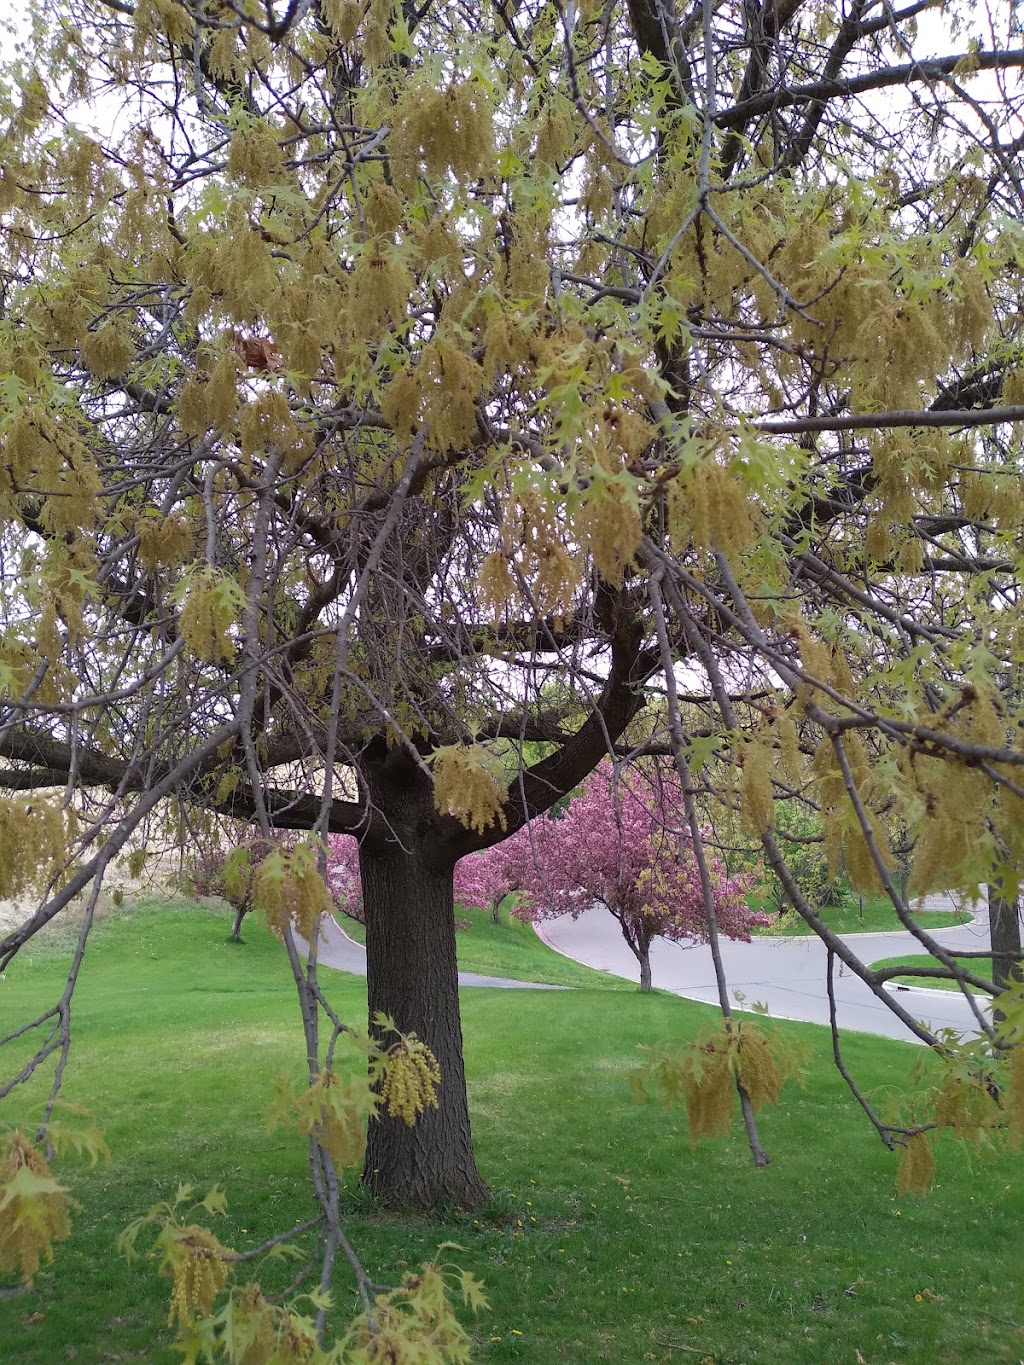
x: 1004, y: 935
x: 412, y: 975
x: 645, y: 967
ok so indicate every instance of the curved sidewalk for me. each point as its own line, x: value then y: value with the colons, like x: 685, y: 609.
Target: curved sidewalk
x: 343, y: 953
x: 785, y: 974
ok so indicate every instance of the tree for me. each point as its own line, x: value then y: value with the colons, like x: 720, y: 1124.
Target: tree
x: 370, y: 365
x: 1005, y: 938
x: 230, y: 873
x: 623, y: 843
x: 620, y: 841
x: 800, y: 834
x: 485, y: 879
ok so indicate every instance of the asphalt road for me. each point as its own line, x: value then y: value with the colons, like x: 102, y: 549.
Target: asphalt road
x: 346, y: 955
x: 786, y: 974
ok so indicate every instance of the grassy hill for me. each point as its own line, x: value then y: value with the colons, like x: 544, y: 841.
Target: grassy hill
x: 608, y: 1239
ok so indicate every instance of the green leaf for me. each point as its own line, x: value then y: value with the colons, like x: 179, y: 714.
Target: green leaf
x: 26, y: 1184
x: 472, y: 1291
x: 215, y: 1201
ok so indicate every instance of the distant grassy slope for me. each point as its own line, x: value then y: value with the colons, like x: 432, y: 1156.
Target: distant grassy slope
x: 875, y: 917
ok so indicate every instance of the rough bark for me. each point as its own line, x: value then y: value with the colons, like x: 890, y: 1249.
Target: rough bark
x: 1005, y: 937
x: 236, y: 928
x: 412, y: 975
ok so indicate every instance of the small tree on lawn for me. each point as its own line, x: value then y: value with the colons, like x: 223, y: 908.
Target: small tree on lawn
x: 485, y: 879
x: 231, y: 874
x: 623, y: 843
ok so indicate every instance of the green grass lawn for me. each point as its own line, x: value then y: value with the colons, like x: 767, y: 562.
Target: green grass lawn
x: 873, y: 917
x: 608, y: 1239
x: 980, y: 966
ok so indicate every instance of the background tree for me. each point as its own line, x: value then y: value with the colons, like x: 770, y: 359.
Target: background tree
x: 232, y: 874
x: 366, y: 366
x: 622, y: 842
x: 486, y: 879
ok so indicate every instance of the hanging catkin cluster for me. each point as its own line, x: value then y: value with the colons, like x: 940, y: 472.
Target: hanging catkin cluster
x: 411, y: 1078
x: 33, y: 1209
x: 703, y: 1073
x: 415, y: 1323
x: 193, y: 1262
x: 916, y: 1170
x: 442, y: 131
x: 267, y: 1333
x: 468, y: 784
x: 33, y: 839
x: 291, y: 891
x: 334, y: 1110
x: 213, y: 603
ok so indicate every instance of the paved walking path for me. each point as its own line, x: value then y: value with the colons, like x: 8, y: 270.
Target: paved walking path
x: 346, y: 955
x: 786, y: 974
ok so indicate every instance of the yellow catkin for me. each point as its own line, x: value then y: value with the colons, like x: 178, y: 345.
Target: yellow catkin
x: 410, y: 1081
x: 757, y: 804
x: 192, y: 408
x: 33, y: 833
x: 164, y: 542
x: 212, y: 606
x: 266, y: 424
x: 709, y: 507
x: 496, y: 584
x: 468, y: 784
x: 107, y: 353
x: 289, y: 889
x: 33, y: 1209
x: 450, y: 382
x: 335, y: 1112
x: 608, y: 525
x: 382, y: 209
x: 757, y: 1068
x: 916, y: 1170
x: 193, y: 1262
x: 790, y: 757
x: 965, y: 1104
x: 222, y: 391
x: 255, y: 155
x: 710, y: 1094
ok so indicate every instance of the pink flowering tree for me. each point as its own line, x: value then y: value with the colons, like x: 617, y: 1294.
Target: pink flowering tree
x: 343, y: 880
x: 622, y: 843
x: 482, y: 880
x: 485, y: 879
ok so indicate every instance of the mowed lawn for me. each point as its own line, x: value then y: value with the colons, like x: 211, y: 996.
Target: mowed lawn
x: 875, y: 916
x: 980, y: 966
x: 608, y: 1239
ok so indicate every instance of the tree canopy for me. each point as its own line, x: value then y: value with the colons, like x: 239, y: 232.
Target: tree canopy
x: 392, y: 393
